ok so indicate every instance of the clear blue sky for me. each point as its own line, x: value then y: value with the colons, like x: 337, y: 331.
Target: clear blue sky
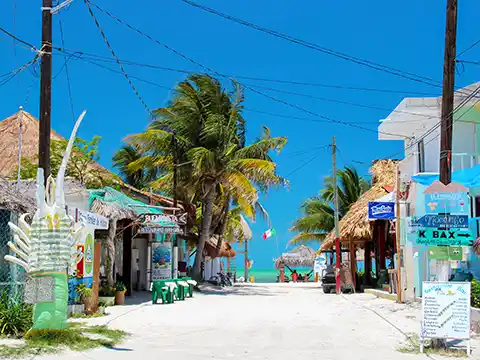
x: 407, y: 35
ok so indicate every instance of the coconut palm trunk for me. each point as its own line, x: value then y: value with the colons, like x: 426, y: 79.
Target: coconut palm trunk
x: 205, y: 231
x: 223, y: 226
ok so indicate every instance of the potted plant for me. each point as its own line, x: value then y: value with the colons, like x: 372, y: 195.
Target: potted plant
x: 106, y: 295
x: 101, y: 307
x: 120, y: 290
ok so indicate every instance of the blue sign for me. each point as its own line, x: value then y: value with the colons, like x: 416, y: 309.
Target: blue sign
x: 441, y: 221
x: 381, y: 210
x: 457, y: 203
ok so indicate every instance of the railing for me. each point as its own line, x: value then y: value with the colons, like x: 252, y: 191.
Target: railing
x: 462, y: 161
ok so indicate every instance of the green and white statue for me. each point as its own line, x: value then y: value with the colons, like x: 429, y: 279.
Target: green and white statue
x: 44, y: 248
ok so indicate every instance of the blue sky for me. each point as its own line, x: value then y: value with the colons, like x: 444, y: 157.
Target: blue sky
x: 406, y: 35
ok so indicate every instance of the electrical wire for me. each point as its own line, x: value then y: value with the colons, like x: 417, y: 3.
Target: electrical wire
x: 92, y: 14
x: 69, y: 86
x: 209, y: 70
x: 360, y: 61
x: 19, y: 70
x: 468, y: 48
x: 305, y: 163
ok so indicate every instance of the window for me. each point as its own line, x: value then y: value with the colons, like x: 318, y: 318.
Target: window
x: 421, y: 156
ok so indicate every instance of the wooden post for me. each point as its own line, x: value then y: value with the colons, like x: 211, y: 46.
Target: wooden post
x: 127, y: 257
x: 353, y: 263
x: 397, y: 238
x: 96, y: 274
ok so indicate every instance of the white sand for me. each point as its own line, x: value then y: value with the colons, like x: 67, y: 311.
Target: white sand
x: 275, y: 321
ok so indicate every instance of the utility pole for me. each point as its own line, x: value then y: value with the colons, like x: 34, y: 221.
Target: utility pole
x: 338, y: 250
x: 45, y: 89
x: 397, y: 238
x: 245, y: 271
x: 175, y: 168
x: 448, y: 93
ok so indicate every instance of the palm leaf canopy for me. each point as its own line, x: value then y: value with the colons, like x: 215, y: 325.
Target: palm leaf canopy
x: 301, y: 256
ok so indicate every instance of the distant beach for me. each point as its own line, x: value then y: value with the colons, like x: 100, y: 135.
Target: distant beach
x: 266, y: 275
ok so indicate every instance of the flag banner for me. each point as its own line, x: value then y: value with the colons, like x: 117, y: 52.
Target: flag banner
x: 269, y: 233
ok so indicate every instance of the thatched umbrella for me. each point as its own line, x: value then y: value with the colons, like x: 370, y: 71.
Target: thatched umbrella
x: 355, y: 225
x: 302, y: 256
x: 15, y: 201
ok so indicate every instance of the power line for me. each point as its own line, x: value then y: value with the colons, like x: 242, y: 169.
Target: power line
x: 468, y: 48
x: 209, y: 70
x: 18, y: 71
x: 280, y: 81
x: 16, y: 38
x: 115, y: 56
x: 360, y: 61
x: 305, y: 163
x: 69, y: 86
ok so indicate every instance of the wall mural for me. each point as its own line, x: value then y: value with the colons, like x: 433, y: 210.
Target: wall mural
x: 44, y: 248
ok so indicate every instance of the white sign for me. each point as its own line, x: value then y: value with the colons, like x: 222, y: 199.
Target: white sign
x: 445, y: 310
x: 90, y: 219
x: 160, y: 230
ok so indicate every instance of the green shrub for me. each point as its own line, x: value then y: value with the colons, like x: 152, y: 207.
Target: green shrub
x: 475, y: 295
x: 16, y: 317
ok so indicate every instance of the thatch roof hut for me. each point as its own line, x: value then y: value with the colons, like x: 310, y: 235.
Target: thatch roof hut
x: 15, y: 201
x: 225, y: 251
x: 9, y: 129
x: 355, y: 225
x: 302, y: 256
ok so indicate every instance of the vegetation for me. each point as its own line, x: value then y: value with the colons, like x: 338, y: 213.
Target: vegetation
x: 412, y: 346
x: 217, y: 169
x: 84, y: 155
x: 16, y: 317
x: 77, y: 338
x: 318, y: 212
x: 475, y: 295
x: 83, y: 292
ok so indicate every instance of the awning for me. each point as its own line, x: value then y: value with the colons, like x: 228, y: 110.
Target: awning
x: 468, y: 177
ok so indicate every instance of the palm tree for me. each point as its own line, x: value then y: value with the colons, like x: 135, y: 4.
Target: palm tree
x: 122, y: 159
x: 215, y: 164
x: 318, y: 219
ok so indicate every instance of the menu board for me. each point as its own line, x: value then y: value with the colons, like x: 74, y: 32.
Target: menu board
x: 446, y: 310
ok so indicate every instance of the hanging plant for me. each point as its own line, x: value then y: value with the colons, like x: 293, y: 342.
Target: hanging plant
x: 476, y: 246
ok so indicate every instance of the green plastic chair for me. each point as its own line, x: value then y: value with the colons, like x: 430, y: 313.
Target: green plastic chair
x: 160, y: 288
x: 190, y: 285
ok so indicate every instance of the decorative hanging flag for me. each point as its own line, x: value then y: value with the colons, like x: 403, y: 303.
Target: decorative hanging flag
x: 269, y: 233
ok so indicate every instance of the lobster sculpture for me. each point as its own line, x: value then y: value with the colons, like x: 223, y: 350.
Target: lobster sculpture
x: 45, y: 248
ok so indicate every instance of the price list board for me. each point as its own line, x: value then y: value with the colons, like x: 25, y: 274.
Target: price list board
x: 445, y: 310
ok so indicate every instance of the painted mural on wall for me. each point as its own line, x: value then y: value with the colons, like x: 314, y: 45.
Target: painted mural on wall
x: 44, y: 248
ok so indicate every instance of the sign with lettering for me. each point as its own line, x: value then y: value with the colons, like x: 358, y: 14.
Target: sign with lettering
x: 381, y: 210
x: 89, y: 219
x: 447, y: 202
x: 445, y: 310
x: 441, y: 221
x: 160, y: 230
x: 161, y: 261
x: 164, y: 219
x: 445, y: 253
x: 444, y: 237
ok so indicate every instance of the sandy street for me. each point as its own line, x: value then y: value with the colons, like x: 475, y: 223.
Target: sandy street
x: 277, y: 321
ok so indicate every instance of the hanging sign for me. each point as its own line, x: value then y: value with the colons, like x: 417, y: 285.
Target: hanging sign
x: 447, y: 202
x: 161, y: 261
x: 381, y: 210
x: 442, y: 221
x: 89, y: 219
x: 444, y: 237
x: 445, y: 311
x: 161, y: 230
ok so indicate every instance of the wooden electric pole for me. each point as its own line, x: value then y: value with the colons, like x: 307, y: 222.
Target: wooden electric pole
x: 338, y: 251
x: 45, y: 89
x: 446, y: 132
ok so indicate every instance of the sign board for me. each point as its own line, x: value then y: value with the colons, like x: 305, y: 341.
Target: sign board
x: 445, y: 253
x: 164, y: 219
x: 444, y: 237
x: 160, y: 230
x: 161, y: 261
x: 445, y: 311
x: 89, y: 219
x: 381, y: 210
x: 447, y: 202
x: 442, y: 221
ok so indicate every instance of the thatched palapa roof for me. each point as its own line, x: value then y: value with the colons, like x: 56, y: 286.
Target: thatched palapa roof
x: 9, y: 129
x: 15, y: 201
x: 302, y: 256
x: 225, y: 251
x: 355, y: 226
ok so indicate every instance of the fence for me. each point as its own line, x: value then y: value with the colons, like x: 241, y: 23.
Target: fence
x: 12, y: 277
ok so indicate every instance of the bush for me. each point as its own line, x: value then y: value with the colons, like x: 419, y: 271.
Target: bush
x: 16, y: 317
x: 475, y: 295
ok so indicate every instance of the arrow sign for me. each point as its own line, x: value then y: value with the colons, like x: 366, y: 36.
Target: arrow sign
x: 442, y: 221
x: 444, y: 237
